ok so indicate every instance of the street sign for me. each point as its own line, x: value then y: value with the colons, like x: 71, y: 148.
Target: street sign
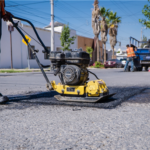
x: 28, y: 38
x: 10, y: 28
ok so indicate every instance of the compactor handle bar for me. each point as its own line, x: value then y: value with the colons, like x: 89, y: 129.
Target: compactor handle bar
x: 37, y: 35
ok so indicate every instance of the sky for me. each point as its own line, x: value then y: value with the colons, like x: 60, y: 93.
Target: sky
x: 78, y: 15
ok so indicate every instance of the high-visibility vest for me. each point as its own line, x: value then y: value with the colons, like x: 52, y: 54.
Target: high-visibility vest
x: 2, y: 5
x: 130, y: 52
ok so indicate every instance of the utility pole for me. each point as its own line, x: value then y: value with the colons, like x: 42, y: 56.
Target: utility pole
x: 11, y: 50
x: 142, y: 33
x: 52, y: 26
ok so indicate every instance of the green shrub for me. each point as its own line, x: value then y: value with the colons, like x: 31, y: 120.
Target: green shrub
x: 98, y: 65
x: 89, y: 50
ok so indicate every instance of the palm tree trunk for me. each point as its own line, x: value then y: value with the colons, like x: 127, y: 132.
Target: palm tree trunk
x: 113, y: 52
x: 104, y: 52
x: 98, y: 53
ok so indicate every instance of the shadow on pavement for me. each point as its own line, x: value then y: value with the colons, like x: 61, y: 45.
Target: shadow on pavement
x: 143, y: 97
x: 122, y: 94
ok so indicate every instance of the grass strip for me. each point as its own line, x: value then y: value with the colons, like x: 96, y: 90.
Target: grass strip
x: 18, y: 71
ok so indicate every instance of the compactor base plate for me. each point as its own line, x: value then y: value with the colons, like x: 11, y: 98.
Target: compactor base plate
x: 83, y: 99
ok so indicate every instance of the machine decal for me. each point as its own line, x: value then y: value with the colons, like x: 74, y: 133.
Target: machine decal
x: 71, y: 89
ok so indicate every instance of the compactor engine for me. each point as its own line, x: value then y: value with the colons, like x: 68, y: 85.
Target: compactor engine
x: 71, y: 66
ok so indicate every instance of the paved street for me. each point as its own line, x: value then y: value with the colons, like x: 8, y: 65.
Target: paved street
x: 27, y: 125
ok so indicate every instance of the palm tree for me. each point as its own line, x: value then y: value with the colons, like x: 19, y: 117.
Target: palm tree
x: 96, y: 27
x: 114, y: 20
x: 104, y: 13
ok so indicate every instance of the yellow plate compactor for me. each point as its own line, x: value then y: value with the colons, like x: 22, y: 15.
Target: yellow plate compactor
x: 71, y: 68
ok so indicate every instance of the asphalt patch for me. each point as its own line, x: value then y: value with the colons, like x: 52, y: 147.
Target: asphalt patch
x: 142, y: 98
x: 47, y: 98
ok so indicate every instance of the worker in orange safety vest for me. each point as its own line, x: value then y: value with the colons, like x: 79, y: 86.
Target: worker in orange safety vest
x: 130, y: 58
x: 5, y: 16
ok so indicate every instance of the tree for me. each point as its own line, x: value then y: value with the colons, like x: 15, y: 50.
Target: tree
x: 104, y: 13
x: 146, y: 12
x: 65, y: 38
x: 114, y: 20
x: 89, y: 50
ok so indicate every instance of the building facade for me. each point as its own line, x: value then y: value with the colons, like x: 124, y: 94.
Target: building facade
x: 85, y: 42
x: 22, y: 56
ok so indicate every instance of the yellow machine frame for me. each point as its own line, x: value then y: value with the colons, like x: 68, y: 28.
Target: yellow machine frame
x: 92, y: 88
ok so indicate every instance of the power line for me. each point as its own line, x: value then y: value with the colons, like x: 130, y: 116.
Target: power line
x: 25, y: 4
x: 30, y: 12
x: 125, y: 6
x: 44, y: 24
x: 75, y: 8
x: 73, y: 25
x: 118, y: 6
x: 69, y: 12
x: 63, y: 21
x: 87, y: 32
x: 38, y: 11
x: 30, y: 36
x: 83, y: 31
x: 27, y: 12
x: 88, y: 17
x: 30, y: 19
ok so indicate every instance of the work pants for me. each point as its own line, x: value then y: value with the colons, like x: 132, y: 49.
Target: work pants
x: 130, y: 59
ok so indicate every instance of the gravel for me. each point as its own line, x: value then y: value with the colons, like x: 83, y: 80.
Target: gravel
x: 35, y: 126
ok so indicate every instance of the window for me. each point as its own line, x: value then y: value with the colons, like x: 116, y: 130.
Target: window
x: 30, y: 54
x: 46, y: 56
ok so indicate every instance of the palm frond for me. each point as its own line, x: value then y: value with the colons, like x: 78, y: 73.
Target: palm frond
x: 114, y: 19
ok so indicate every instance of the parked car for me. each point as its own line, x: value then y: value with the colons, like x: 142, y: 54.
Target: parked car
x: 123, y: 61
x: 113, y: 63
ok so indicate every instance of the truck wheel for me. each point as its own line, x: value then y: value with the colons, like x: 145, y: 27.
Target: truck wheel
x: 135, y: 69
x: 146, y: 68
x: 140, y: 69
